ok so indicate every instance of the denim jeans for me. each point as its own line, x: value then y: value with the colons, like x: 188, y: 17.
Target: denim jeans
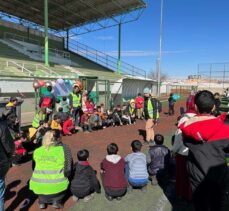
x: 3, y: 170
x: 2, y: 192
x: 76, y: 115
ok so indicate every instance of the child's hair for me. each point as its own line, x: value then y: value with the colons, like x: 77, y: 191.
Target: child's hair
x: 57, y: 100
x: 101, y: 105
x: 171, y: 94
x: 12, y: 99
x: 204, y: 101
x: 112, y: 149
x: 136, y: 146
x: 56, y: 117
x: 42, y: 122
x: 98, y: 107
x: 159, y: 139
x: 60, y: 109
x: 139, y: 94
x: 83, y: 155
x: 118, y: 107
x: 64, y: 98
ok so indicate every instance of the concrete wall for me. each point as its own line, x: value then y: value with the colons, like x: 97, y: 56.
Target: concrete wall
x: 13, y: 86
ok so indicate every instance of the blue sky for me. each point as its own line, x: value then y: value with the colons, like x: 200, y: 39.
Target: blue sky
x: 194, y: 31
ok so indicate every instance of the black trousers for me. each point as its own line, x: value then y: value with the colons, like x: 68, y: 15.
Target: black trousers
x: 50, y: 199
x: 212, y: 197
x: 171, y: 109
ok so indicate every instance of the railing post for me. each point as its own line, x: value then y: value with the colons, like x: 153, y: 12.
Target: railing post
x: 107, y: 60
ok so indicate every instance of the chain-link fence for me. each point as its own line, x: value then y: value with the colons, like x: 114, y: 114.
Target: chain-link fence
x: 213, y: 76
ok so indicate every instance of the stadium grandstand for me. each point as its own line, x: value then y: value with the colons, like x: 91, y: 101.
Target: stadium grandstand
x: 36, y: 42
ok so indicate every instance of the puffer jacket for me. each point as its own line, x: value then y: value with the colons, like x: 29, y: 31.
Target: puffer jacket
x: 7, y: 147
x: 207, y: 138
x: 158, y: 158
x: 84, y: 179
x: 10, y: 115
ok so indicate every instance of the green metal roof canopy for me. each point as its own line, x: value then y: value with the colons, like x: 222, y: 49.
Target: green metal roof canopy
x: 64, y: 14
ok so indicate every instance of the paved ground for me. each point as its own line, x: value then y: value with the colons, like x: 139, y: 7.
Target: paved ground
x: 17, y: 193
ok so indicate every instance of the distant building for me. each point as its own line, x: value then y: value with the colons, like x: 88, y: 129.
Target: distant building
x: 191, y: 77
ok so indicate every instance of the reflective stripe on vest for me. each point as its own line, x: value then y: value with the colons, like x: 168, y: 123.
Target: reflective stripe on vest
x: 36, y: 120
x: 150, y: 109
x: 75, y: 100
x: 48, y: 175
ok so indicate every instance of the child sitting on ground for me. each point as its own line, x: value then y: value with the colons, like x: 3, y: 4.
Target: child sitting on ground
x: 131, y: 110
x: 69, y: 126
x: 117, y: 116
x: 113, y: 173
x: 20, y: 151
x: 158, y: 160
x: 109, y: 118
x: 102, y: 117
x: 84, y: 182
x: 84, y: 122
x: 61, y: 115
x: 56, y: 124
x: 41, y: 132
x: 136, y: 168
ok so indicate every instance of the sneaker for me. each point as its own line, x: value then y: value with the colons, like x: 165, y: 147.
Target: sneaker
x: 154, y: 181
x: 88, y: 198
x: 146, y: 142
x: 42, y: 206
x: 151, y: 143
x: 57, y: 205
x: 119, y: 198
x: 129, y: 189
x: 75, y: 199
x: 109, y: 198
x: 144, y: 189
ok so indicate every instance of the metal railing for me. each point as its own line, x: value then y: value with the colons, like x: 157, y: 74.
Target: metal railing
x: 57, y: 52
x: 104, y: 59
x: 19, y: 67
x: 11, y: 37
x: 8, y: 35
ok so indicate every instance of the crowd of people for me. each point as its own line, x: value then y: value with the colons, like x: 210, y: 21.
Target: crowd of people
x: 195, y: 165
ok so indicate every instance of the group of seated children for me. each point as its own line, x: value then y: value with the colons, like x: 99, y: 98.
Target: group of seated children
x: 62, y: 122
x: 118, y: 174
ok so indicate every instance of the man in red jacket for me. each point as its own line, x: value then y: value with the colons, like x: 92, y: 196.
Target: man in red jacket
x: 113, y: 174
x: 207, y: 138
x: 139, y: 102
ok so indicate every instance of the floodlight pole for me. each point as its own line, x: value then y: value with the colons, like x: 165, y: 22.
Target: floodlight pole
x: 46, y: 33
x: 160, y: 53
x: 119, y: 47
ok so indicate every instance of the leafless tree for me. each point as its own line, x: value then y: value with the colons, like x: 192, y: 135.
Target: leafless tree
x: 153, y: 75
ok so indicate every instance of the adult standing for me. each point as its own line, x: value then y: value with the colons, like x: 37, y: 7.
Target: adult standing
x: 7, y: 149
x: 183, y: 185
x: 152, y: 108
x: 10, y: 115
x: 139, y: 103
x: 207, y: 138
x: 52, y: 167
x: 75, y: 102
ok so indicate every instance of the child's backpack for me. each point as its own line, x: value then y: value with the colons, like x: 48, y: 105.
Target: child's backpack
x: 47, y: 102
